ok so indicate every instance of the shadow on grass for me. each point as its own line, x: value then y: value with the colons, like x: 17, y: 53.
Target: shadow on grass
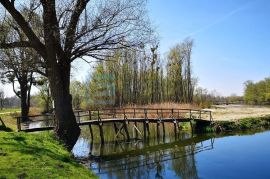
x: 24, y: 147
x: 5, y: 129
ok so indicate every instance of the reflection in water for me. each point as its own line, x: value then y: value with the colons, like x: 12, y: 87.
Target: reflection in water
x: 38, y: 122
x: 187, y: 156
x: 137, y: 159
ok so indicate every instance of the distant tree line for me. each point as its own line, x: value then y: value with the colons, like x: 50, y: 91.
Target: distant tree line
x: 257, y: 92
x: 141, y: 77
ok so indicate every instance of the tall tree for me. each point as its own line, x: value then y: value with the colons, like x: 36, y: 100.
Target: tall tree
x: 72, y: 30
x: 18, y: 66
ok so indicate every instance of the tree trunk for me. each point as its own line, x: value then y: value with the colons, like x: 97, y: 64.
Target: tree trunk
x: 1, y: 104
x: 24, y: 102
x: 67, y: 129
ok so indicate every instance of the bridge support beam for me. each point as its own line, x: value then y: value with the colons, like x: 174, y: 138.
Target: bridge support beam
x: 147, y: 127
x: 126, y: 130
x: 91, y: 132
x: 101, y: 133
x: 158, y: 132
x: 175, y: 128
x: 144, y: 130
x: 136, y: 132
x: 115, y: 128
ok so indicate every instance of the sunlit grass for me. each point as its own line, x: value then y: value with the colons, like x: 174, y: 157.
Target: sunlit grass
x: 10, y: 110
x: 39, y: 155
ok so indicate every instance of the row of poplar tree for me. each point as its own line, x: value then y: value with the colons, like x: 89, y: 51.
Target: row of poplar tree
x: 141, y: 77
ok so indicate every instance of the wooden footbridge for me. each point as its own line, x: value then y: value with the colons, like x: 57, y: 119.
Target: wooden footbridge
x: 124, y: 117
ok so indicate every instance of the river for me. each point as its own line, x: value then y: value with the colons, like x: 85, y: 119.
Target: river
x: 187, y: 156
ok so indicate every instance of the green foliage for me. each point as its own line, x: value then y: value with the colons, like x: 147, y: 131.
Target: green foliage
x: 242, y: 124
x: 257, y: 93
x: 43, y: 99
x: 25, y: 155
x: 77, y: 90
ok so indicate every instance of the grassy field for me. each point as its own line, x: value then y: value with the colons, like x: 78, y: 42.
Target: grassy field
x: 9, y: 121
x: 236, y: 112
x: 8, y: 115
x: 37, y: 156
x: 10, y: 110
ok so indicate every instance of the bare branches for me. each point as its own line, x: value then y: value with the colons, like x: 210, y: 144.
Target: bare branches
x: 33, y: 39
x: 71, y: 30
x: 110, y: 25
x: 15, y: 45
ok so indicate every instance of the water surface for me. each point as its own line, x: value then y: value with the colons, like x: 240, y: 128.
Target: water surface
x: 230, y: 155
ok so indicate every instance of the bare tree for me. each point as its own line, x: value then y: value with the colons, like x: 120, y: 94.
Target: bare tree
x: 18, y: 66
x: 76, y: 29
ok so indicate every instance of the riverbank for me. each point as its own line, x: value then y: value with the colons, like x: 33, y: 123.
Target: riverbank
x: 241, y: 124
x: 37, y: 155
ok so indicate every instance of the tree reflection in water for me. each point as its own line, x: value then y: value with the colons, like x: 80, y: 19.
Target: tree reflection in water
x: 150, y: 159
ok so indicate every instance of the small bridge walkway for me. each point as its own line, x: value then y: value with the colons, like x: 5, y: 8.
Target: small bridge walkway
x: 124, y: 116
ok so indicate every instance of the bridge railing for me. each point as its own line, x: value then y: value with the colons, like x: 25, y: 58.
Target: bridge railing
x: 150, y: 113
x: 125, y: 114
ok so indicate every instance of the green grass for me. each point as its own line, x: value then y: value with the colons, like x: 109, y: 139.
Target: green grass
x: 10, y: 122
x: 12, y: 110
x: 243, y: 124
x: 7, y: 115
x: 38, y: 155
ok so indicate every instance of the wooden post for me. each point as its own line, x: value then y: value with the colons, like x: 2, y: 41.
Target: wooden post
x: 100, y: 129
x: 144, y: 130
x: 135, y: 123
x: 91, y: 132
x: 163, y: 125
x: 90, y: 116
x: 134, y: 113
x: 19, y: 123
x: 125, y: 126
x: 175, y: 128
x: 101, y: 133
x: 99, y: 119
x: 126, y: 130
x: 158, y: 132
x: 115, y: 128
x: 147, y: 127
x: 191, y: 125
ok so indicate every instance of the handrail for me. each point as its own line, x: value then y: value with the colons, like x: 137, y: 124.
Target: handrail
x: 129, y: 113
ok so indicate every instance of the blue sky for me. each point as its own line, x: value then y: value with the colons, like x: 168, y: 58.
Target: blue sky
x: 232, y: 41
